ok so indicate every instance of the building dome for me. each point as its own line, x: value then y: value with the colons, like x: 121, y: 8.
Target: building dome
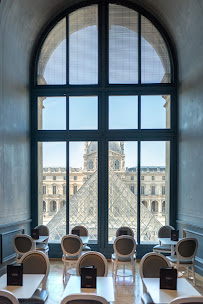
x: 113, y: 145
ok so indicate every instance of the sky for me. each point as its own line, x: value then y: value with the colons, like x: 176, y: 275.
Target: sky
x: 83, y: 110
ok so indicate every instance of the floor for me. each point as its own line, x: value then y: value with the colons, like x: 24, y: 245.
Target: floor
x: 126, y: 292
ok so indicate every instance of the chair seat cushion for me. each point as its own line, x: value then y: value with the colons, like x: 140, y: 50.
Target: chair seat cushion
x: 121, y: 259
x: 146, y: 298
x: 173, y: 259
x: 86, y: 248
x: 39, y: 297
x: 43, y: 247
x: 162, y: 248
x: 69, y: 258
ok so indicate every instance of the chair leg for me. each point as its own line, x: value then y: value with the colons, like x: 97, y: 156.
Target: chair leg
x: 116, y: 271
x: 64, y: 269
x: 123, y: 268
x: 193, y: 274
x: 187, y: 272
x: 133, y: 271
x: 112, y: 268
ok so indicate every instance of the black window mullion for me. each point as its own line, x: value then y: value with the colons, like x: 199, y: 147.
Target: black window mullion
x: 138, y: 191
x: 139, y: 48
x: 67, y: 49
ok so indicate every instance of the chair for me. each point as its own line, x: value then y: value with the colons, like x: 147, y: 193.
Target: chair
x: 36, y: 262
x: 22, y: 243
x: 93, y: 258
x: 127, y: 229
x: 43, y: 231
x: 83, y: 298
x: 188, y: 300
x: 185, y: 255
x: 150, y: 265
x: 83, y: 232
x: 124, y: 253
x: 6, y: 297
x: 164, y: 232
x: 72, y: 247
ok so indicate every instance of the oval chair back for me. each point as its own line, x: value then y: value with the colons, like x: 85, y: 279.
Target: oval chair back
x: 93, y: 258
x: 150, y: 265
x: 127, y: 229
x: 83, y: 230
x: 84, y: 299
x: 71, y: 245
x: 43, y: 230
x: 6, y: 297
x: 165, y: 232
x: 124, y: 246
x: 22, y: 243
x: 186, y: 249
x: 188, y: 300
x: 36, y: 262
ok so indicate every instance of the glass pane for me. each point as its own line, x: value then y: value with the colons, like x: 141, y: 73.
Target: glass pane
x: 155, y: 112
x: 52, y: 60
x: 83, y: 187
x: 123, y: 45
x: 83, y: 113
x: 122, y: 187
x: 123, y: 112
x: 51, y: 113
x: 83, y: 46
x: 51, y: 188
x: 155, y: 61
x: 155, y: 167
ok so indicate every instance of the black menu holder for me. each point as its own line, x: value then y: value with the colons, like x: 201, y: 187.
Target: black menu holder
x: 123, y: 232
x: 35, y: 234
x: 168, y: 278
x: 174, y: 235
x: 88, y: 277
x: 15, y: 275
x: 76, y: 232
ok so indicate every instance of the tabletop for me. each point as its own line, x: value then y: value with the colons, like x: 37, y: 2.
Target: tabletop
x: 104, y: 287
x: 84, y: 239
x: 165, y: 296
x: 168, y: 241
x: 30, y: 284
x: 41, y: 239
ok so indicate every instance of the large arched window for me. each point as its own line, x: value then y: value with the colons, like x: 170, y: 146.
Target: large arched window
x: 103, y: 89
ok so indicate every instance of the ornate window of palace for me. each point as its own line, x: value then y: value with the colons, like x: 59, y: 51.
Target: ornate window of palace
x: 103, y: 94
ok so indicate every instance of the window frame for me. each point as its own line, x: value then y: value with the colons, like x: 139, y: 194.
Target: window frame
x: 103, y: 90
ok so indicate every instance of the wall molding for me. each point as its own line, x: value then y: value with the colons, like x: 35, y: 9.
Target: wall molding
x: 193, y: 230
x: 15, y: 224
x: 6, y: 240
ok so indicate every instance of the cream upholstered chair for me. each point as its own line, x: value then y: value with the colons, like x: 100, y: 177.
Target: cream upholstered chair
x: 6, y: 297
x: 128, y: 231
x: 188, y: 300
x: 93, y: 258
x: 83, y: 298
x: 43, y: 231
x: 150, y: 265
x: 72, y: 247
x: 36, y: 262
x: 124, y: 253
x: 22, y: 243
x: 185, y: 255
x: 164, y: 232
x: 83, y: 232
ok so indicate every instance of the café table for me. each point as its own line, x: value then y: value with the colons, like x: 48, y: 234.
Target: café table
x: 30, y: 284
x: 84, y: 239
x: 104, y: 287
x: 165, y: 296
x: 41, y: 239
x: 168, y: 241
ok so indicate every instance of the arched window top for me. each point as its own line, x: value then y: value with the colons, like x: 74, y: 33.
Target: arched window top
x: 79, y: 64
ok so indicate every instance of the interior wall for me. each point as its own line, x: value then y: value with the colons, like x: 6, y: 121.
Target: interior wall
x: 21, y: 23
